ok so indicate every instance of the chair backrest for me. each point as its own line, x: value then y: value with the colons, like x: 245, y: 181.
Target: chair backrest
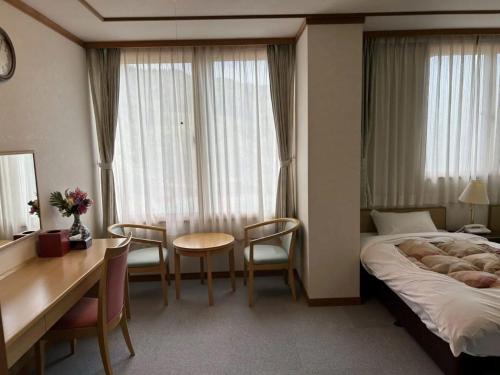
x: 112, y: 283
x: 4, y: 368
x: 116, y: 230
x: 287, y: 241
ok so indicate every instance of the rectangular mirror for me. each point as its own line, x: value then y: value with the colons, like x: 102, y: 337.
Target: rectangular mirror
x: 19, y: 209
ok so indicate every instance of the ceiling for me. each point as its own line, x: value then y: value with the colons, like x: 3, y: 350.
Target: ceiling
x: 77, y: 19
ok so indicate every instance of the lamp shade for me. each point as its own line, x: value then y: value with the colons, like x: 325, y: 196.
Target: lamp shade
x: 474, y: 193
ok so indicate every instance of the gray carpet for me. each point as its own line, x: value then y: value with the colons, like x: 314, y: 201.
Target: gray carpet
x: 277, y: 336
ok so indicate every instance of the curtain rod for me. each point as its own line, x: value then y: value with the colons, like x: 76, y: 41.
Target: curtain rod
x: 436, y: 32
x: 188, y: 43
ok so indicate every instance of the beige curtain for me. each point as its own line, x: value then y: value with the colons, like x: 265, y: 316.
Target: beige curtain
x: 104, y: 74
x: 281, y: 60
x: 394, y: 129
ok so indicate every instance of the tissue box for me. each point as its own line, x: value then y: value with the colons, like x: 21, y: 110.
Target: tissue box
x: 53, y: 243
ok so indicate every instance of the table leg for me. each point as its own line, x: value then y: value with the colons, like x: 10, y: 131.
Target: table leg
x: 202, y: 271
x: 209, y: 280
x: 177, y: 275
x: 231, y: 269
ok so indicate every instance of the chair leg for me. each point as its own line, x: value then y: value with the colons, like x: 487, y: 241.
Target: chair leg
x: 103, y: 347
x: 250, y: 285
x: 127, y: 298
x: 164, y: 287
x: 40, y: 357
x: 202, y: 271
x: 168, y: 273
x: 73, y: 346
x: 126, y: 335
x: 291, y: 283
x: 244, y: 272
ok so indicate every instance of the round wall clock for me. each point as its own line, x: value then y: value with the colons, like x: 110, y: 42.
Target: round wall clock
x: 7, y: 56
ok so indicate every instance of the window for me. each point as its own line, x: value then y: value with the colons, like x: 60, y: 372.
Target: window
x: 463, y: 110
x: 196, y: 144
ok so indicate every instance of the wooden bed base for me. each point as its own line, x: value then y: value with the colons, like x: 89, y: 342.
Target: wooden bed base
x: 434, y: 346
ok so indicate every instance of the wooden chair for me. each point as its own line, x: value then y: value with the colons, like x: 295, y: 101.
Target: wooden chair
x: 259, y: 255
x: 149, y: 260
x: 3, y: 350
x: 96, y: 316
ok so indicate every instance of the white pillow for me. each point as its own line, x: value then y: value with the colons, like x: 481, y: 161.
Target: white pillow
x: 406, y: 222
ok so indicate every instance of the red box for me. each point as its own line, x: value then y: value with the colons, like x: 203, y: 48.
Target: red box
x: 53, y: 243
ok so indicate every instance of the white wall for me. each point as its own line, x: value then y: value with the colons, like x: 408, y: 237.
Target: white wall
x: 302, y: 114
x: 330, y: 126
x: 45, y: 107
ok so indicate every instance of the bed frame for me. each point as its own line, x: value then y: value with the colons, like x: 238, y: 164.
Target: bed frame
x: 434, y: 346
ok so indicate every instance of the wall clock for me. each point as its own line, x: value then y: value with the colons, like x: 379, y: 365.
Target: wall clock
x: 7, y: 56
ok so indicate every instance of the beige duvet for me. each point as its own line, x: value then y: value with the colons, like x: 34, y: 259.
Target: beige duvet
x: 466, y: 317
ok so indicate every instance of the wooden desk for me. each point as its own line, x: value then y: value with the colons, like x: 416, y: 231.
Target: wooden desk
x: 203, y: 246
x: 34, y: 295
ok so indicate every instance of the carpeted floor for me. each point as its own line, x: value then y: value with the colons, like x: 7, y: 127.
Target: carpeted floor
x: 277, y: 336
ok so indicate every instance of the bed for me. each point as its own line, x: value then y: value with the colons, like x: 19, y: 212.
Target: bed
x: 458, y: 326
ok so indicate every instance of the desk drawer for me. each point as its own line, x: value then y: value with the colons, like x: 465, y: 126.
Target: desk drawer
x: 24, y: 342
x: 72, y: 297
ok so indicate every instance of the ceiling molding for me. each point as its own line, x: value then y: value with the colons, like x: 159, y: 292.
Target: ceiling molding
x: 91, y: 9
x: 327, y: 20
x: 316, y: 16
x: 188, y: 42
x: 333, y: 19
x: 33, y: 13
x: 300, y: 31
x: 402, y: 33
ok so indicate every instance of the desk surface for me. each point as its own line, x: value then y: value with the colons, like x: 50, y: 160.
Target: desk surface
x: 33, y: 288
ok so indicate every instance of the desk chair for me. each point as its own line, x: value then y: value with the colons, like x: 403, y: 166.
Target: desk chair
x: 96, y: 316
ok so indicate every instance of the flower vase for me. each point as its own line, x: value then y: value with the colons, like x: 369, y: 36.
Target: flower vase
x: 79, y: 228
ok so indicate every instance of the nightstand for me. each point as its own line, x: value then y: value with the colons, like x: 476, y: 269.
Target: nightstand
x: 492, y: 237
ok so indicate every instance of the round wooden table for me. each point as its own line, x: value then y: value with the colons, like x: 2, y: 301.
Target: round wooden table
x: 203, y: 246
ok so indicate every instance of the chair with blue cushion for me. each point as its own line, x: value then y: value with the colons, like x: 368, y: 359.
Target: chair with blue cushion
x: 264, y: 254
x: 152, y: 258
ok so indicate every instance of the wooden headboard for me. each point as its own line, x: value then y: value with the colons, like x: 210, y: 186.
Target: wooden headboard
x: 494, y: 218
x: 438, y: 215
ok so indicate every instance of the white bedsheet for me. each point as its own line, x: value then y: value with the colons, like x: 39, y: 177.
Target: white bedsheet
x: 465, y: 317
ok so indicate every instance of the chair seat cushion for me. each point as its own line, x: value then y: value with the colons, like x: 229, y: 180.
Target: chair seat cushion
x: 267, y: 254
x: 146, y: 257
x: 82, y: 314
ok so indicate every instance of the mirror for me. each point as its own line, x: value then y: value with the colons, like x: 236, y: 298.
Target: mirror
x: 19, y: 209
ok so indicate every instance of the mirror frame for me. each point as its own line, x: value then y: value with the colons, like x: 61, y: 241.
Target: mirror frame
x: 35, y: 233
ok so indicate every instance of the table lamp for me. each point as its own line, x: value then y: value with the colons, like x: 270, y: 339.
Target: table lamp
x: 474, y: 193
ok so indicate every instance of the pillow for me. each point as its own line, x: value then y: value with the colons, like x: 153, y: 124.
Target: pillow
x: 475, y: 279
x: 407, y: 222
x: 419, y: 249
x: 461, y: 248
x: 443, y: 263
x: 480, y: 260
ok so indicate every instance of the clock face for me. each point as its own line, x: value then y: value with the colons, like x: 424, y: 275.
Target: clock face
x: 7, y: 59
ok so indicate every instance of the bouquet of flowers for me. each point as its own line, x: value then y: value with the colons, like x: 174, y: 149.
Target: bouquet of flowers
x: 34, y: 207
x: 72, y: 202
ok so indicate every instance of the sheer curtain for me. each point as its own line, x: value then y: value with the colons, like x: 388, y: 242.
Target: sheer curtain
x: 463, y: 122
x: 17, y: 188
x: 432, y: 118
x: 196, y: 144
